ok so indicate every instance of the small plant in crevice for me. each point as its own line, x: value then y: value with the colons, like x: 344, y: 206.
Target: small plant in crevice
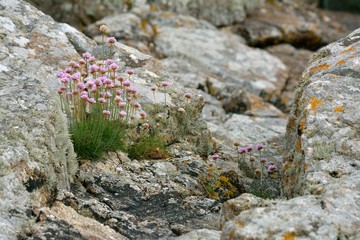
x: 104, y: 111
x: 264, y: 173
x: 218, y: 185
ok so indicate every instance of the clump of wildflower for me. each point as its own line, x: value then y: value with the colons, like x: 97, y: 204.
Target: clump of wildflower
x: 215, y: 156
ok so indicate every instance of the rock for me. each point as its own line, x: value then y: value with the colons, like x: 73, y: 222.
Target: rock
x: 290, y: 23
x: 219, y: 14
x: 72, y: 225
x: 248, y: 130
x: 321, y: 163
x: 235, y: 206
x: 36, y: 154
x: 296, y: 61
x: 200, y: 234
x: 347, y: 5
x: 250, y: 70
x: 150, y: 199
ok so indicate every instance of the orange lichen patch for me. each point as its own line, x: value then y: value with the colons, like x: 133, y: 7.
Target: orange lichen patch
x: 302, y: 123
x: 319, y: 68
x: 287, y: 166
x: 289, y: 236
x: 306, y: 166
x: 153, y: 8
x: 232, y: 234
x: 341, y: 62
x: 240, y: 224
x: 315, y: 103
x: 339, y: 109
x: 298, y: 146
x: 353, y: 56
x: 352, y: 48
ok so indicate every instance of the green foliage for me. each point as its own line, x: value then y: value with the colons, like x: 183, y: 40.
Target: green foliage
x: 148, y: 146
x: 92, y: 139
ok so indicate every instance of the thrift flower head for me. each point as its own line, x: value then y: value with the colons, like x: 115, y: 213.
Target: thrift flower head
x: 106, y: 113
x: 143, y: 115
x: 102, y: 100
x: 121, y: 79
x: 165, y: 83
x: 153, y: 88
x: 91, y: 100
x: 86, y: 55
x: 188, y: 95
x: 109, y: 62
x: 122, y: 114
x: 242, y: 150
x: 249, y: 148
x: 82, y: 61
x: 114, y: 66
x: 259, y: 146
x: 263, y: 160
x: 111, y: 40
x: 271, y: 168
x: 130, y: 71
x: 181, y: 110
x: 104, y: 29
x: 215, y: 156
x: 126, y: 83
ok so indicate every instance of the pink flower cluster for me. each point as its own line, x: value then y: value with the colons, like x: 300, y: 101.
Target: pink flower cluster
x: 92, y: 87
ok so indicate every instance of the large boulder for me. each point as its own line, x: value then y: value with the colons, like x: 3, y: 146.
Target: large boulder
x: 321, y: 164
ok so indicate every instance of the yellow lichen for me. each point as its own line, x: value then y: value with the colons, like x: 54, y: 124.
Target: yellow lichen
x: 319, y: 68
x: 339, y: 109
x: 352, y: 48
x: 341, y: 62
x: 314, y: 102
x: 289, y: 236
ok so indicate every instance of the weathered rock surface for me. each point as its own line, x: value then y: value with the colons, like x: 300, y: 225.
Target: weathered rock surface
x: 216, y: 12
x: 150, y: 199
x: 322, y: 157
x: 289, y: 22
x: 296, y: 61
x: 36, y: 154
x: 201, y: 234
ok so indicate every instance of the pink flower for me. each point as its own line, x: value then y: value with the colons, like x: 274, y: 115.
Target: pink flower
x: 90, y: 83
x: 75, y: 76
x: 86, y: 55
x: 130, y: 71
x: 98, y: 82
x: 82, y: 61
x: 126, y: 83
x: 121, y: 79
x: 102, y: 70
x: 137, y: 105
x: 143, y: 115
x: 242, y: 150
x: 108, y: 95
x: 102, y: 100
x: 59, y: 74
x: 93, y: 68
x: 111, y: 40
x: 118, y: 92
x: 93, y: 88
x: 114, y: 66
x: 131, y: 89
x: 122, y: 114
x: 109, y: 61
x: 271, y: 168
x: 263, y: 160
x: 84, y: 96
x: 75, y: 92
x: 259, y: 146
x: 188, y: 95
x: 65, y: 79
x: 122, y: 104
x: 153, y: 88
x: 117, y: 99
x: 81, y: 85
x: 60, y: 91
x: 215, y: 156
x: 165, y: 83
x: 91, y: 100
x: 92, y: 59
x: 106, y: 113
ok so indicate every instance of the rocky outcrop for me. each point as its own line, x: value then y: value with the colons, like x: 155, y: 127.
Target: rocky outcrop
x: 213, y: 11
x: 321, y: 164
x: 36, y: 154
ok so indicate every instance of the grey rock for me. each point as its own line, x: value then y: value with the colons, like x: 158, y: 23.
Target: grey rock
x: 201, y: 234
x: 234, y: 66
x: 321, y: 163
x: 35, y: 150
x: 215, y: 12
